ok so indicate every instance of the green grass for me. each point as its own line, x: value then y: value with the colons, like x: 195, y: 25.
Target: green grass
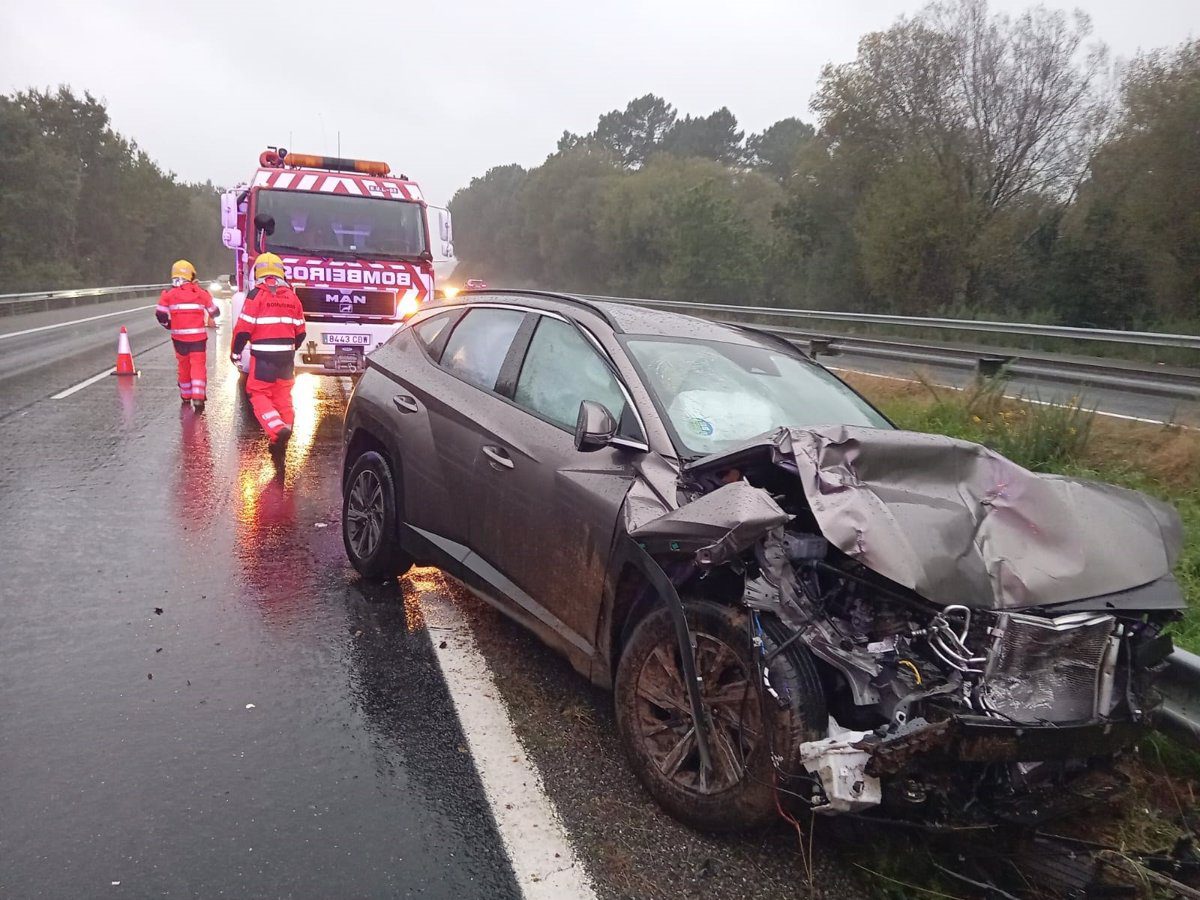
x: 1066, y: 439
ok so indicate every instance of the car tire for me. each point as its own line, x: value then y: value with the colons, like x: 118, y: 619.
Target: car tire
x: 740, y: 795
x: 369, y: 520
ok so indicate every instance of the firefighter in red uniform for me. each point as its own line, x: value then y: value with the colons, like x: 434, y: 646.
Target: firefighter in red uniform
x: 272, y: 322
x: 181, y: 309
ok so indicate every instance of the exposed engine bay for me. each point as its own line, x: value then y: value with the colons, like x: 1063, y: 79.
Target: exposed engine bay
x: 975, y: 659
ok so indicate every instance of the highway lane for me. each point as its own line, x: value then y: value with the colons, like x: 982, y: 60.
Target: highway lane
x: 44, y: 352
x: 199, y: 697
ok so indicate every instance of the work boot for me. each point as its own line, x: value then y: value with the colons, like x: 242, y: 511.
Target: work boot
x: 285, y: 435
x: 278, y: 450
x: 198, y: 405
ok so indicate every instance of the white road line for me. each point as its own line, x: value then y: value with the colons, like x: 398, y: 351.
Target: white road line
x: 79, y: 387
x: 121, y: 312
x: 1023, y: 399
x: 541, y: 854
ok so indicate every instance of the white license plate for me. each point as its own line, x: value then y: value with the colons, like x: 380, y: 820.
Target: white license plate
x: 346, y: 338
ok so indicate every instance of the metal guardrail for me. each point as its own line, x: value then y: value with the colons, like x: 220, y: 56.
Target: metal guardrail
x: 1103, y: 335
x: 16, y: 304
x: 1179, y: 715
x: 1119, y: 374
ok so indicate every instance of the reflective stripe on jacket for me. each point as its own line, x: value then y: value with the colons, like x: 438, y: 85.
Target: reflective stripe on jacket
x: 182, y: 310
x: 272, y: 322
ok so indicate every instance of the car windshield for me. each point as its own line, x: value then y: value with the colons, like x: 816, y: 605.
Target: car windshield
x: 337, y: 225
x: 716, y: 395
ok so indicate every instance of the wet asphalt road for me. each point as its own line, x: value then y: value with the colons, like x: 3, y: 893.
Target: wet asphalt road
x: 198, y: 697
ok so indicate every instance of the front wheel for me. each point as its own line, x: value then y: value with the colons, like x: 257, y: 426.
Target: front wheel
x: 369, y: 520
x: 655, y: 724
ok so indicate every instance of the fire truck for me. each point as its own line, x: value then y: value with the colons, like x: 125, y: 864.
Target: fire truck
x: 356, y: 245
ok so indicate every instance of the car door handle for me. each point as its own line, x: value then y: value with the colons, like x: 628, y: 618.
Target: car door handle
x: 405, y: 403
x: 499, y: 457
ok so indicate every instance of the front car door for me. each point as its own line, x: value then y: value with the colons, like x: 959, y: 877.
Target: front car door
x: 545, y: 513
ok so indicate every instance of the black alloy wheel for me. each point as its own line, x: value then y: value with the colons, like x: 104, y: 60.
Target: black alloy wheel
x: 369, y: 520
x: 655, y: 724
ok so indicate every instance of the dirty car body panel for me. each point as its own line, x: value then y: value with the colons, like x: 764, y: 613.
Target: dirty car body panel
x: 982, y: 634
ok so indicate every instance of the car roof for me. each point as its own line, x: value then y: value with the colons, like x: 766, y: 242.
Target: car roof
x: 623, y: 318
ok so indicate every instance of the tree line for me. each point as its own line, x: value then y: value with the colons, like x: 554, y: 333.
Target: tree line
x: 963, y: 162
x: 80, y: 205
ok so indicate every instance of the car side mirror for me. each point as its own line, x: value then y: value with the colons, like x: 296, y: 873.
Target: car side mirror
x: 595, y: 427
x: 265, y: 223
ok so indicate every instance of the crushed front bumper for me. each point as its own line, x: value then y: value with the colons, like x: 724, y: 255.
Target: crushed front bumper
x: 977, y: 739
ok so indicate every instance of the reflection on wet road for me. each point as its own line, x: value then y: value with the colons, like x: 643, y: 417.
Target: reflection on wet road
x: 198, y: 696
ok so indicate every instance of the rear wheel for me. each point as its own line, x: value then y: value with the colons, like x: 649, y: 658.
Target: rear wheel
x: 655, y: 724
x: 369, y: 520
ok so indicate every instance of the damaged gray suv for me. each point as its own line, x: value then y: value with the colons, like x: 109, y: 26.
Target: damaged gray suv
x: 793, y: 601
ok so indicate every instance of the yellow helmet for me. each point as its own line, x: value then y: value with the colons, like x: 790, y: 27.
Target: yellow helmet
x: 266, y: 265
x: 181, y: 268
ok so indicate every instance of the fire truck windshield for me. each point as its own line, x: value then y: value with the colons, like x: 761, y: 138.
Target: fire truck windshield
x: 334, y: 224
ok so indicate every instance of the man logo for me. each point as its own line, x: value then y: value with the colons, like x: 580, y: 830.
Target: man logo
x: 346, y: 302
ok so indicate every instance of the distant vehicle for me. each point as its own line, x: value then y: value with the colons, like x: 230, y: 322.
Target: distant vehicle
x: 355, y: 243
x: 476, y: 284
x: 794, y: 602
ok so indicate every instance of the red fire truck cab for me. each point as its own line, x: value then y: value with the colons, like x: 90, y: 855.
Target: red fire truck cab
x: 356, y: 247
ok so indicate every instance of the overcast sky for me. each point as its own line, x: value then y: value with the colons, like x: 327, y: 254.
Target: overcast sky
x: 445, y: 89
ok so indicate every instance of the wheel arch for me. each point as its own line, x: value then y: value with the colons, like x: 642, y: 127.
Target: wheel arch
x: 634, y: 597
x: 362, y: 439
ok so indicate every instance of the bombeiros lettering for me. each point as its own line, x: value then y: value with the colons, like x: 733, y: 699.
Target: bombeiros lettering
x: 348, y: 275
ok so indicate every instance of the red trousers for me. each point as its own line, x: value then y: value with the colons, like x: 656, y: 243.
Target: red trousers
x: 272, y: 402
x: 193, y: 373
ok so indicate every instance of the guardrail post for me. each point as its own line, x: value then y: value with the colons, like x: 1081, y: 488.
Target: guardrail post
x: 821, y: 346
x: 990, y: 366
x: 1179, y: 715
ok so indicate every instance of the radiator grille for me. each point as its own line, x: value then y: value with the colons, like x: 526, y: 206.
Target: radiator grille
x: 1046, y: 670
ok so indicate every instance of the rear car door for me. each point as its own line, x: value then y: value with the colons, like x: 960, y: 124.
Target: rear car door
x: 545, y: 513
x: 439, y: 374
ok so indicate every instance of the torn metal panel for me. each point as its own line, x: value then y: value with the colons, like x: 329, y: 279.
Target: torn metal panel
x: 718, y: 525
x: 958, y: 523
x: 653, y: 494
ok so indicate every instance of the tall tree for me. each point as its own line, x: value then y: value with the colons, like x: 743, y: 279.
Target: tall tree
x: 999, y: 110
x: 715, y: 136
x: 1147, y: 179
x: 490, y: 222
x: 633, y: 134
x: 80, y: 203
x: 775, y: 149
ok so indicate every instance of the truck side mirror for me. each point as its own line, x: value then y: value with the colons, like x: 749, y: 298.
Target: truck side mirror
x: 229, y: 209
x: 595, y: 427
x: 265, y: 223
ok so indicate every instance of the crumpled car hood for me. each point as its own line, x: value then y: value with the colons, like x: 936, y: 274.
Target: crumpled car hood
x: 957, y: 523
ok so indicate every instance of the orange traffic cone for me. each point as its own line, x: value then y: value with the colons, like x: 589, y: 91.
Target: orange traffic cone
x: 124, y: 355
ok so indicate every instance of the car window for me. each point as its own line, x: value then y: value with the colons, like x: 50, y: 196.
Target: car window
x: 427, y: 332
x: 479, y: 343
x: 717, y: 395
x: 560, y: 371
